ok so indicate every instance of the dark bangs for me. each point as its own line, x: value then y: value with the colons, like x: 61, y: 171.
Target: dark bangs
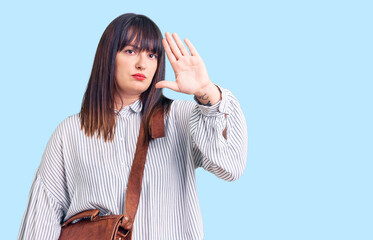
x: 143, y: 34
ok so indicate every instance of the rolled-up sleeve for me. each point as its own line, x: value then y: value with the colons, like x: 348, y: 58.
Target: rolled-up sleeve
x: 48, y: 199
x: 219, y: 137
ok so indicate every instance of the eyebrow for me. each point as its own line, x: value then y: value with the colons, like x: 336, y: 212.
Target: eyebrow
x: 137, y: 48
x: 130, y: 45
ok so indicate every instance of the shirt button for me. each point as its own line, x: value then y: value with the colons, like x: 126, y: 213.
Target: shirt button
x: 121, y: 139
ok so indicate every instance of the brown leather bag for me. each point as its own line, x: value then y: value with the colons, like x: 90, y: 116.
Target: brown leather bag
x: 116, y: 227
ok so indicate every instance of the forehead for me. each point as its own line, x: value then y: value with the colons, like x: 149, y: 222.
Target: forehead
x: 142, y: 39
x: 141, y: 42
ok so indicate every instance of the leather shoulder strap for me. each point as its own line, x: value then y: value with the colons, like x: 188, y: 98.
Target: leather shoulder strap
x: 137, y: 169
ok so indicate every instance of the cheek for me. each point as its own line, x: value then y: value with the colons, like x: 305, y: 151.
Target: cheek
x: 121, y: 64
x: 154, y: 68
x: 121, y: 67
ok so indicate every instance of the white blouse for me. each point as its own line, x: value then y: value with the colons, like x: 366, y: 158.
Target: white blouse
x: 78, y: 173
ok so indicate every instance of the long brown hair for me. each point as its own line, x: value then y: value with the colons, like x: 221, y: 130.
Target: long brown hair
x: 97, y: 112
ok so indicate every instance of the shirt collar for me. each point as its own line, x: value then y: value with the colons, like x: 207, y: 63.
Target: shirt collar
x: 135, y: 107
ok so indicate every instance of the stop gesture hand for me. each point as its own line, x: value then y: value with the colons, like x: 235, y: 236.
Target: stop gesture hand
x: 191, y: 75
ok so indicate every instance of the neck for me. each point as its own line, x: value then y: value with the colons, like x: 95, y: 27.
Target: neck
x: 125, y: 102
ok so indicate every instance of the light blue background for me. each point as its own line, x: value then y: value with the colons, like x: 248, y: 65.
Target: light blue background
x: 302, y: 71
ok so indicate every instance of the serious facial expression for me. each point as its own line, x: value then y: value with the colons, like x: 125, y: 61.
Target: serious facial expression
x: 134, y: 71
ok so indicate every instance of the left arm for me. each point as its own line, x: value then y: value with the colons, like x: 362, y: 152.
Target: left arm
x: 217, y: 125
x: 219, y: 137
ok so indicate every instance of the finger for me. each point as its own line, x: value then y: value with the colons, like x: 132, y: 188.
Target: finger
x: 192, y: 49
x: 180, y: 44
x: 168, y: 51
x: 175, y: 50
x: 167, y: 84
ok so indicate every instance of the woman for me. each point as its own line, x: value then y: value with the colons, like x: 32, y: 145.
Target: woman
x: 88, y: 158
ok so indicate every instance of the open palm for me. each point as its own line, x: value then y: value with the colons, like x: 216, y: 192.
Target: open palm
x: 190, y: 70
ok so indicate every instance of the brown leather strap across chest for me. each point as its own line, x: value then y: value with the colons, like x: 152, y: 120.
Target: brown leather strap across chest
x: 137, y: 169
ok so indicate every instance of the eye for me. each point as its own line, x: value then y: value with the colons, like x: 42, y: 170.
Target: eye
x: 130, y: 51
x: 152, y: 55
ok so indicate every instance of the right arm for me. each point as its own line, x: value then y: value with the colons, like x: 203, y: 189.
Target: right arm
x: 48, y: 199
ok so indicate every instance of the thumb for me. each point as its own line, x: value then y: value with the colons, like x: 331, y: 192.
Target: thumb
x: 168, y: 84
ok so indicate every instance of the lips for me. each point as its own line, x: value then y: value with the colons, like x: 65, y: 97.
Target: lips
x: 139, y: 76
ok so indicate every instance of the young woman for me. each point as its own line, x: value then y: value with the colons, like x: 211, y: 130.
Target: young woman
x: 88, y: 158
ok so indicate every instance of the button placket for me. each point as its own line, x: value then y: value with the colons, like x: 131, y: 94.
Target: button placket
x: 120, y: 140
x: 125, y: 126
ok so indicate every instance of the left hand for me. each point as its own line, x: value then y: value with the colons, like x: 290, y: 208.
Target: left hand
x: 190, y: 71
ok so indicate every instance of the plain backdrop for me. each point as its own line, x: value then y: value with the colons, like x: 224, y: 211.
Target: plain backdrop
x: 301, y: 70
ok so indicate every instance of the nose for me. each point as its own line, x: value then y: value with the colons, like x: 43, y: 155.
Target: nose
x: 141, y: 61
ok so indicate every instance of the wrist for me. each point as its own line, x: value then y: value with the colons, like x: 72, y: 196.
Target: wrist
x: 208, y: 95
x: 204, y: 91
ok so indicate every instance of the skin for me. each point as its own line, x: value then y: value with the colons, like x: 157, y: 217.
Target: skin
x: 191, y: 75
x: 190, y: 71
x: 128, y: 62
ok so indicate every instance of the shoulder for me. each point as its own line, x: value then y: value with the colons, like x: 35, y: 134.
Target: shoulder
x: 183, y: 104
x: 68, y: 126
x: 71, y: 122
x: 181, y: 109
